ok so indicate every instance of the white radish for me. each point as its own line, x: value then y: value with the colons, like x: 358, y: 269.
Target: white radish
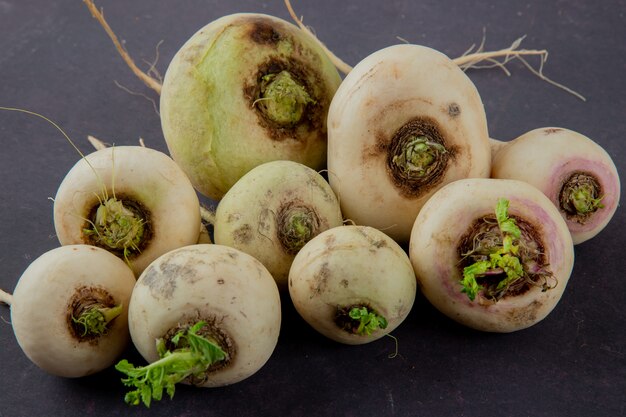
x: 572, y: 170
x: 131, y: 200
x: 492, y: 254
x: 353, y: 284
x: 246, y: 89
x: 222, y: 298
x: 273, y: 211
x: 69, y: 310
x: 404, y: 122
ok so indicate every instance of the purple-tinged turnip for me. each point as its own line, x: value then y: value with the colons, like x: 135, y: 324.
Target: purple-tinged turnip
x: 492, y: 254
x: 575, y: 172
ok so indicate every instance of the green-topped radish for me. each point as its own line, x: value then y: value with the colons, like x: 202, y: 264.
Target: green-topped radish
x: 69, y: 310
x: 246, y: 89
x: 575, y: 172
x: 273, y: 211
x: 206, y: 315
x: 353, y: 284
x: 492, y: 254
x: 130, y: 200
x: 404, y: 122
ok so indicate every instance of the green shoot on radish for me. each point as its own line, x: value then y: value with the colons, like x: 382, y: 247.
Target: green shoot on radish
x: 192, y: 355
x: 368, y: 320
x: 94, y: 319
x: 492, y: 254
x: 502, y: 259
x: 116, y: 198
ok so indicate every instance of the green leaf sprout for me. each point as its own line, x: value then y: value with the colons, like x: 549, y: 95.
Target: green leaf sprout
x: 368, y: 320
x: 192, y: 356
x: 503, y: 259
x: 94, y: 321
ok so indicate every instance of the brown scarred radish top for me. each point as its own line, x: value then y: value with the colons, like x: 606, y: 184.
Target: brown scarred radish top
x: 405, y: 121
x: 246, y: 89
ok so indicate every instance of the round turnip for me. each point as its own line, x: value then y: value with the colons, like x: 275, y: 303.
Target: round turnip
x: 69, y: 310
x: 353, y: 284
x: 214, y: 313
x: 246, y: 89
x: 492, y: 254
x: 132, y: 201
x: 405, y: 121
x: 576, y: 174
x: 273, y: 211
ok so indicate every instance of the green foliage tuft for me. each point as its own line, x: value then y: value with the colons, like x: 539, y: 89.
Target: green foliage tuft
x: 368, y: 320
x: 503, y: 258
x: 95, y: 320
x: 192, y: 357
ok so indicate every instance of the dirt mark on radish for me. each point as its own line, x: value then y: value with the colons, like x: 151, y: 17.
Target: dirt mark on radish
x: 162, y: 280
x: 453, y: 110
x: 552, y: 130
x: 320, y: 280
x: 243, y: 235
x: 525, y: 315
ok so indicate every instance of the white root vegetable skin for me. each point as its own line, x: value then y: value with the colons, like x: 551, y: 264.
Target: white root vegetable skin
x: 446, y: 218
x: 248, y: 217
x: 546, y: 157
x: 382, y: 93
x: 496, y: 146
x: 145, y: 175
x: 217, y: 284
x: 39, y: 310
x: 352, y: 265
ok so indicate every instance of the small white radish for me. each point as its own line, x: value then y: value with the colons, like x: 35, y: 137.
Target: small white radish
x: 353, y: 284
x: 575, y: 172
x: 246, y: 89
x: 492, y: 254
x: 404, y: 122
x: 131, y: 200
x: 214, y: 313
x: 69, y: 310
x: 273, y: 211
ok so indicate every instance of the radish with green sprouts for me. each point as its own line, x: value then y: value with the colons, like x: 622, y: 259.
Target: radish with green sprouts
x: 353, y: 284
x: 273, y: 211
x: 214, y: 313
x: 575, y: 172
x: 405, y: 121
x: 492, y: 254
x: 246, y: 89
x: 130, y: 200
x: 133, y: 201
x: 69, y: 310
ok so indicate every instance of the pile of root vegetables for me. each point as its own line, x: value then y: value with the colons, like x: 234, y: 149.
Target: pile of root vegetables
x: 342, y: 196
